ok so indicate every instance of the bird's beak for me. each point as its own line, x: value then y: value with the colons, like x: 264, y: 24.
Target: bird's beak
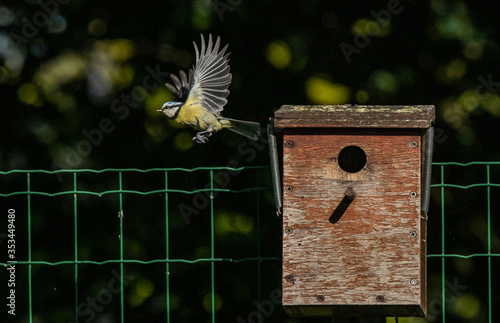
x: 160, y: 110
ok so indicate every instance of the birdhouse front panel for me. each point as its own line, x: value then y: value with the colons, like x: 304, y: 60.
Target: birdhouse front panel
x: 353, y: 235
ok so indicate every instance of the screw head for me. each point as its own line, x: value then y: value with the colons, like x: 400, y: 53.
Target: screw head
x: 289, y: 278
x: 320, y: 298
x: 413, y: 194
x: 413, y: 144
x: 288, y: 230
x: 288, y: 144
x: 413, y: 282
x: 380, y: 298
x: 350, y: 193
x: 413, y: 234
x: 289, y: 189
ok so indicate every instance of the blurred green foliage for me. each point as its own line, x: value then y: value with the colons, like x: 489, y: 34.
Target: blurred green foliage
x: 64, y: 63
x: 80, y: 84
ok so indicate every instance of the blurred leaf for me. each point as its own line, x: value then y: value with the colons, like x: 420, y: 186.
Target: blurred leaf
x: 467, y: 306
x: 28, y: 94
x: 227, y: 223
x: 362, y: 96
x: 207, y: 302
x: 202, y: 12
x: 183, y: 140
x: 322, y: 91
x: 372, y: 28
x: 142, y: 291
x: 384, y: 81
x: 278, y: 54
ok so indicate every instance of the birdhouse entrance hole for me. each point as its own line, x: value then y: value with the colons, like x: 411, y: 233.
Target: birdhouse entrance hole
x: 352, y: 159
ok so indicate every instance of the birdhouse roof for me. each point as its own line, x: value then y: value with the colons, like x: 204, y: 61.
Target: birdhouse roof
x: 354, y: 116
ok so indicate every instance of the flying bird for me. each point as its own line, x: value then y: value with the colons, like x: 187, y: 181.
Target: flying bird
x: 202, y: 95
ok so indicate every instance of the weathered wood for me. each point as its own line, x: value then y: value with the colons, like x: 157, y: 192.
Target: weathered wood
x: 354, y: 242
x: 354, y: 116
x: 370, y: 260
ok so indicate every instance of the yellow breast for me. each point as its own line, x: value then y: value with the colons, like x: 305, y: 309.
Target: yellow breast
x: 193, y: 114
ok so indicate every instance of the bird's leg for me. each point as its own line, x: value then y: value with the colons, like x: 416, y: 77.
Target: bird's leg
x: 202, y: 136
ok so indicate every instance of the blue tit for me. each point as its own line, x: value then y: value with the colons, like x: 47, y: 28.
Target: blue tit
x: 202, y: 95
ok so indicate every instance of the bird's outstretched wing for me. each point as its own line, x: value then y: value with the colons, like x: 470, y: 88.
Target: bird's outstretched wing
x: 181, y: 86
x: 211, y: 77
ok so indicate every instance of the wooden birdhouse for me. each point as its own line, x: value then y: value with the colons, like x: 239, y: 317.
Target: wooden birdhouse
x: 355, y: 198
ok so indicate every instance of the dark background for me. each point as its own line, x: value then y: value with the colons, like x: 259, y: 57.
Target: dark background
x: 77, y: 92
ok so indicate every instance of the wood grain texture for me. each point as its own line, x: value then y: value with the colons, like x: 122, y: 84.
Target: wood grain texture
x: 370, y: 259
x: 354, y: 116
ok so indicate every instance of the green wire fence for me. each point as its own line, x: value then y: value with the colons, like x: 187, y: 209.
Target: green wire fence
x: 217, y: 182
x: 254, y: 242
x: 481, y: 202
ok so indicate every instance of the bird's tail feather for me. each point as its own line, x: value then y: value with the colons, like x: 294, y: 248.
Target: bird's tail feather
x: 248, y: 129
